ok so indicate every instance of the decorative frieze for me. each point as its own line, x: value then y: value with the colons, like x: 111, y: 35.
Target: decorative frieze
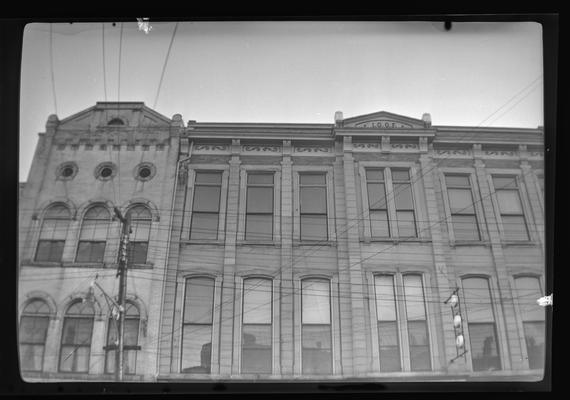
x: 366, y: 146
x: 313, y: 149
x: 211, y: 148
x: 259, y: 148
x: 453, y: 152
x: 404, y: 146
x: 509, y: 153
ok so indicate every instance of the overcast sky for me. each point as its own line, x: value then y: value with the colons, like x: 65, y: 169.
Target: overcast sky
x: 476, y: 74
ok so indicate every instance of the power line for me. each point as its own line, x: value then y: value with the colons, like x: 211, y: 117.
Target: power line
x: 52, y: 68
x: 164, y: 65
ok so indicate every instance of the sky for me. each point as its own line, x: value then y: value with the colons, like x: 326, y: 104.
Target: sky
x: 476, y: 74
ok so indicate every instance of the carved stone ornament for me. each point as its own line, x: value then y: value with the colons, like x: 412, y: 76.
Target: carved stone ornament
x: 313, y: 149
x: 263, y: 148
x: 366, y: 145
x: 405, y: 146
x: 211, y: 147
x: 456, y: 152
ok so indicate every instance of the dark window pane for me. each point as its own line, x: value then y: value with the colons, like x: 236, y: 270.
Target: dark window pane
x: 316, y: 346
x: 406, y: 223
x: 389, y: 347
x: 312, y: 179
x: 260, y: 179
x: 528, y: 291
x: 313, y: 200
x: 137, y: 252
x: 461, y: 201
x: 256, y: 349
x: 379, y: 224
x: 376, y: 196
x: 514, y: 227
x: 419, y: 346
x: 90, y: 251
x: 477, y: 300
x: 196, y: 349
x: 314, y: 227
x: 206, y: 199
x: 484, y: 353
x: 259, y: 227
x: 403, y: 196
x: 257, y: 301
x: 33, y: 329
x: 400, y: 175
x: 385, y: 299
x: 457, y: 181
x: 504, y: 182
x: 465, y: 227
x: 374, y: 175
x: 204, y: 226
x: 315, y: 301
x: 260, y: 199
x: 50, y: 250
x: 209, y: 177
x: 199, y: 301
x: 74, y: 359
x: 31, y: 357
x: 534, y: 338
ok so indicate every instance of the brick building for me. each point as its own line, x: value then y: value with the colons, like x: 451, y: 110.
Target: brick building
x: 301, y: 251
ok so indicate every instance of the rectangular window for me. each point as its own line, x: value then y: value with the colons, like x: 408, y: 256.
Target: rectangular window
x: 388, y: 338
x: 33, y: 331
x: 256, y: 326
x: 52, y: 239
x: 259, y: 207
x: 510, y: 208
x: 481, y: 324
x: 402, y: 191
x: 377, y: 204
x: 206, y: 205
x: 316, y: 327
x: 420, y: 357
x: 197, y: 326
x: 137, y: 247
x: 463, y: 216
x: 92, y: 240
x: 76, y: 344
x: 533, y: 316
x: 313, y: 203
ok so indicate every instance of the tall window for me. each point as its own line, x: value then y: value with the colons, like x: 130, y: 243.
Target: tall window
x: 377, y: 204
x: 206, y: 205
x: 463, y: 217
x: 402, y: 189
x: 130, y: 343
x: 93, y: 236
x: 33, y: 331
x: 256, y: 327
x: 388, y: 337
x: 259, y: 207
x: 141, y: 220
x: 197, y: 326
x: 420, y: 359
x: 510, y: 208
x: 313, y: 201
x: 52, y: 235
x: 316, y: 327
x: 528, y: 291
x: 481, y: 324
x: 76, y: 338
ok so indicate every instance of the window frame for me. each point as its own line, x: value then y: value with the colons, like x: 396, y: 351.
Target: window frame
x: 415, y: 182
x: 193, y: 169
x: 134, y: 348
x: 525, y: 205
x: 106, y: 248
x: 61, y: 344
x: 331, y: 232
x: 43, y: 315
x: 245, y: 170
x: 150, y: 220
x: 478, y: 207
x: 42, y: 224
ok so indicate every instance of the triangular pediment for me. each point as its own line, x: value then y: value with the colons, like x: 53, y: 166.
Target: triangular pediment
x: 383, y: 120
x: 115, y: 115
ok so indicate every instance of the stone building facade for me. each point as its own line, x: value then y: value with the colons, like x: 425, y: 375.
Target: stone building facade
x: 305, y: 251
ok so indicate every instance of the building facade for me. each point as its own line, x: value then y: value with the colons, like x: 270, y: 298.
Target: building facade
x: 289, y: 251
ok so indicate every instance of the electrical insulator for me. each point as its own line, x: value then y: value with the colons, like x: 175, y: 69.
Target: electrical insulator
x: 457, y: 321
x: 459, y: 341
x: 453, y: 300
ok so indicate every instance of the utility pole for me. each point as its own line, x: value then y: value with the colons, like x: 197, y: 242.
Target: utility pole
x: 122, y: 275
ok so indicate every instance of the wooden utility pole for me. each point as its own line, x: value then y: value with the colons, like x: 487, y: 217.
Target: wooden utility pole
x: 122, y: 274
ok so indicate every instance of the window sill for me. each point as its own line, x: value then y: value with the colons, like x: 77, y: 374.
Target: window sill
x: 141, y: 266
x: 395, y: 240
x: 301, y: 243
x: 522, y: 243
x: 258, y: 243
x: 461, y: 243
x: 88, y: 265
x: 203, y: 241
x: 47, y: 264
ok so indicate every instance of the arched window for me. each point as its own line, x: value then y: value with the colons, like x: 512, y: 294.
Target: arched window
x: 53, y: 232
x: 116, y: 121
x: 93, y: 236
x: 316, y: 340
x: 481, y: 324
x: 141, y: 220
x: 76, y: 338
x: 130, y: 345
x: 256, y: 340
x: 33, y: 331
